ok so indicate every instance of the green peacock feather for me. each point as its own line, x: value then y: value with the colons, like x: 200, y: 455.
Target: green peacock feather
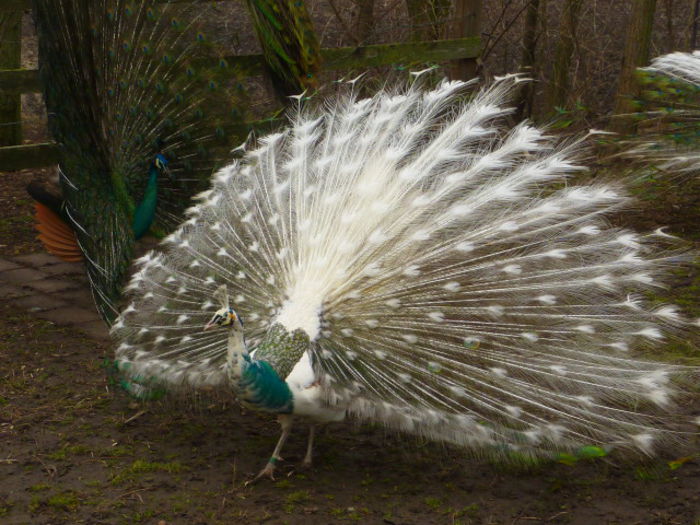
x: 668, y: 111
x: 289, y: 43
x: 134, y: 91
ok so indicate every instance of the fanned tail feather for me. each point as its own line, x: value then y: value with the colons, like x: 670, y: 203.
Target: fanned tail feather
x: 670, y: 107
x: 452, y: 281
x: 57, y: 237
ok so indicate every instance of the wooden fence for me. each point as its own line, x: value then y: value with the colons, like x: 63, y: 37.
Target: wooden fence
x: 14, y: 81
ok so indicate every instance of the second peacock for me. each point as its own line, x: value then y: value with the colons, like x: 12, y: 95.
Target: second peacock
x: 141, y: 113
x: 410, y: 259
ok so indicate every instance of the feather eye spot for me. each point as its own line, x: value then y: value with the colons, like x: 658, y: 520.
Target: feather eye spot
x: 498, y: 371
x: 513, y: 411
x: 512, y: 269
x: 452, y: 286
x: 530, y: 336
x: 547, y: 299
x: 438, y: 317
x: 465, y: 247
x: 412, y: 271
x: 434, y: 367
x: 471, y: 343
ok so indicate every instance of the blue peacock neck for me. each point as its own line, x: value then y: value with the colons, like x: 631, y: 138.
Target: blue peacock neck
x: 146, y: 210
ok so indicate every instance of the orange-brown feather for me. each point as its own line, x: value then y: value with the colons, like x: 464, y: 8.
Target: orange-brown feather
x: 56, y: 236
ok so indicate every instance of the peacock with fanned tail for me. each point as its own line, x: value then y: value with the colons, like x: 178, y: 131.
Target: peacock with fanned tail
x: 142, y: 115
x: 410, y: 259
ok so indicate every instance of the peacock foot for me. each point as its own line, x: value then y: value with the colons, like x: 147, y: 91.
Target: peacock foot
x: 267, y: 472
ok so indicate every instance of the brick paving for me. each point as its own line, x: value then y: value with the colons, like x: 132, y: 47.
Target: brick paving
x: 55, y: 290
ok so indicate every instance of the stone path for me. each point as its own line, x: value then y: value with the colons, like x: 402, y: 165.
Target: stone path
x: 53, y: 290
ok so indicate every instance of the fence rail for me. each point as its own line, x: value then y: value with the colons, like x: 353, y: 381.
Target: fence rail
x: 14, y: 82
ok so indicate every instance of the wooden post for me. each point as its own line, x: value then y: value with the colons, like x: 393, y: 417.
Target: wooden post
x: 467, y: 15
x: 10, y: 58
x: 637, y: 44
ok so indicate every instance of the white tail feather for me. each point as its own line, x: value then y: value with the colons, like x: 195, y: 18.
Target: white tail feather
x: 452, y: 284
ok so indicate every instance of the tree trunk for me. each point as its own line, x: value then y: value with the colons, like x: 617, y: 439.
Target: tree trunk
x: 670, y: 34
x: 10, y: 58
x: 427, y: 18
x: 364, y: 24
x: 636, y: 54
x: 528, y: 65
x: 559, y: 88
x: 694, y: 34
x: 467, y: 22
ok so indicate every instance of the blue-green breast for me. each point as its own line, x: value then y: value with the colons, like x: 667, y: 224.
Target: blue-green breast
x: 262, y: 383
x: 261, y: 388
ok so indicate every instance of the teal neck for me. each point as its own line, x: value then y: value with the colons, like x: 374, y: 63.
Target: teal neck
x: 146, y: 210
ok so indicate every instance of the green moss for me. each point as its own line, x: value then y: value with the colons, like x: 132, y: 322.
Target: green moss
x: 433, y: 503
x: 70, y: 450
x: 39, y: 487
x: 293, y: 499
x: 140, y: 467
x: 140, y: 517
x: 284, y: 484
x: 34, y: 504
x: 5, y: 507
x: 66, y: 501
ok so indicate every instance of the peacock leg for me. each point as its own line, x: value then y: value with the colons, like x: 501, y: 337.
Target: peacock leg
x: 285, y: 422
x: 309, y: 447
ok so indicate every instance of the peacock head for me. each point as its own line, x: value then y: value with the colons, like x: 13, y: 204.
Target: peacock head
x: 224, y: 316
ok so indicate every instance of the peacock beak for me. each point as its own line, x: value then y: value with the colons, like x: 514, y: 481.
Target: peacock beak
x: 210, y: 325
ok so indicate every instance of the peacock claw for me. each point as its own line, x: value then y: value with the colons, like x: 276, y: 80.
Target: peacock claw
x: 267, y: 472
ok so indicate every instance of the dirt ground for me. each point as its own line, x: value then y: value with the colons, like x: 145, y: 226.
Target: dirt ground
x: 76, y: 449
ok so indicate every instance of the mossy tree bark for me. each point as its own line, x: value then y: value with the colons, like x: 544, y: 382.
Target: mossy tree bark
x: 636, y: 54
x: 10, y: 58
